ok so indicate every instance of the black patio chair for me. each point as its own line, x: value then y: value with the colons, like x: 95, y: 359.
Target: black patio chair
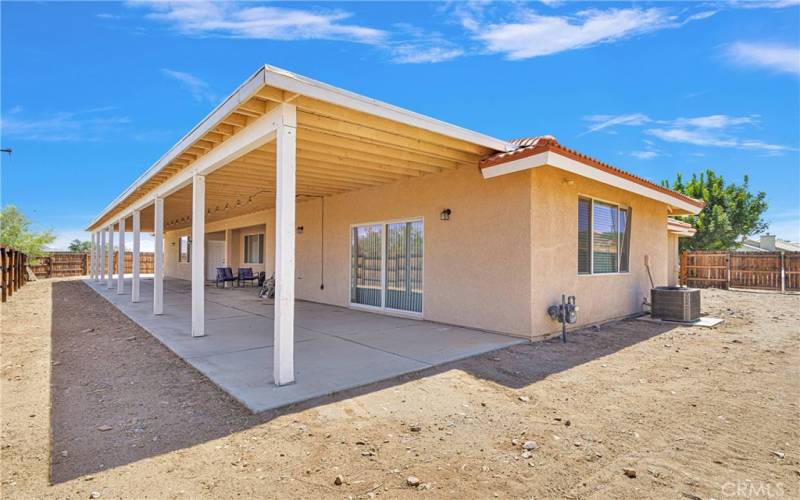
x: 224, y: 274
x: 246, y: 274
x: 261, y: 277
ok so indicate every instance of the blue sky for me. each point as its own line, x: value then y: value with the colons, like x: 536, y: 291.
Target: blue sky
x: 93, y: 93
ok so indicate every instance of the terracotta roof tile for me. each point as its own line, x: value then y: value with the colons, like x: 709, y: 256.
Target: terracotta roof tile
x: 529, y: 146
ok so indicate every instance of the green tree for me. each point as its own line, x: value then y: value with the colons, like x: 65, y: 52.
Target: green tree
x: 15, y: 232
x: 731, y: 211
x: 80, y: 246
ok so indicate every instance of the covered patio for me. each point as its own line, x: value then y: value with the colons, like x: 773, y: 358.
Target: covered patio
x: 335, y: 348
x: 279, y: 141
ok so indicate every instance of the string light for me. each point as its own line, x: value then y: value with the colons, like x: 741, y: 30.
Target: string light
x: 239, y: 205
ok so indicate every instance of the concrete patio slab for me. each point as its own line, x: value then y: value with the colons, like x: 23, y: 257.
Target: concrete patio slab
x: 335, y: 348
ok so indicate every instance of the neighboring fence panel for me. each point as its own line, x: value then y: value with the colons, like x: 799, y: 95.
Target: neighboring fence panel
x: 13, y: 275
x: 791, y: 266
x: 756, y: 270
x: 777, y: 271
x: 147, y: 263
x: 705, y: 269
x: 64, y: 264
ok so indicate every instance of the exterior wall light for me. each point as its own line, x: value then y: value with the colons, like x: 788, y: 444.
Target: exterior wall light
x: 445, y: 215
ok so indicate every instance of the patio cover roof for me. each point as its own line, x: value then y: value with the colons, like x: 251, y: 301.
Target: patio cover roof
x: 345, y: 142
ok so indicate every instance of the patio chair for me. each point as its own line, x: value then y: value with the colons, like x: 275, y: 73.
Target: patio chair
x: 261, y: 277
x: 246, y: 274
x: 224, y: 274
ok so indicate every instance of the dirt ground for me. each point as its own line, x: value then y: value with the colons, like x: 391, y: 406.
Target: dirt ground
x: 93, y: 406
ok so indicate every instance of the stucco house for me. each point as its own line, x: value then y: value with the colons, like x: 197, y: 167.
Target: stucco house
x: 360, y: 204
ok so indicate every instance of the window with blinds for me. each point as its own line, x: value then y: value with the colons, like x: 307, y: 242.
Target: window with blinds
x: 386, y: 266
x: 603, y: 237
x: 254, y: 249
x: 625, y: 244
x: 584, y: 236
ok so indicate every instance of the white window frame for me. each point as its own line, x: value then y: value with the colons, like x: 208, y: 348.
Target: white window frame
x: 620, y: 237
x: 263, y: 248
x: 382, y: 309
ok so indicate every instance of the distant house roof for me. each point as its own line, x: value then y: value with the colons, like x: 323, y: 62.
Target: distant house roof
x: 768, y: 243
x: 531, y: 146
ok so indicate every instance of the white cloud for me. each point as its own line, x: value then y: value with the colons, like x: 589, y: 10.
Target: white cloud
x: 716, y: 121
x: 775, y: 57
x: 199, y: 89
x: 644, y: 155
x: 412, y: 45
x: 207, y: 18
x: 86, y: 125
x: 764, y: 4
x: 413, y: 54
x: 600, y: 122
x: 715, y: 137
x: 708, y: 131
x: 534, y: 35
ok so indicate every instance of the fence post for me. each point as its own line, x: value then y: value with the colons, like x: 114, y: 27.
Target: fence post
x: 783, y: 272
x: 683, y: 270
x: 728, y: 271
x: 5, y: 273
x: 13, y: 268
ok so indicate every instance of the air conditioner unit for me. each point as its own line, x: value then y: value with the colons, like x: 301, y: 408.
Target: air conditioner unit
x: 672, y: 303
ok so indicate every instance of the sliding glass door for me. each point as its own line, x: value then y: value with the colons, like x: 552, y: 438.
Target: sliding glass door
x: 387, y: 264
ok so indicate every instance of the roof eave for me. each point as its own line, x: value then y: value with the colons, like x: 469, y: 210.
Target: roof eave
x: 547, y: 155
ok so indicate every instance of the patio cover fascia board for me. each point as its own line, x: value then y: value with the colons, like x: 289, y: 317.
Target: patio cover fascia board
x: 680, y: 228
x: 270, y: 76
x: 555, y: 159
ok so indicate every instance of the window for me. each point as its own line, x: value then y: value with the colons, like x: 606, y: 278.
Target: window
x: 254, y: 249
x: 184, y: 249
x: 603, y: 237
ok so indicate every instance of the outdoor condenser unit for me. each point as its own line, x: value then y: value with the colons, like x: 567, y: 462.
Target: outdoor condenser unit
x: 672, y: 303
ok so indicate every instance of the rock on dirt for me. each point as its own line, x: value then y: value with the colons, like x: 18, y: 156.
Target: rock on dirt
x: 530, y: 445
x: 412, y: 481
x: 631, y: 473
x: 338, y: 480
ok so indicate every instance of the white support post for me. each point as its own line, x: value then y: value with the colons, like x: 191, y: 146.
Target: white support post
x: 121, y: 258
x: 110, y: 282
x: 286, y: 153
x: 137, y: 223
x: 198, y: 254
x: 101, y: 255
x: 158, y: 250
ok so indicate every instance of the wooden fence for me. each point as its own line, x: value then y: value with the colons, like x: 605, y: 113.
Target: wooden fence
x: 13, y: 264
x: 63, y: 264
x: 779, y: 271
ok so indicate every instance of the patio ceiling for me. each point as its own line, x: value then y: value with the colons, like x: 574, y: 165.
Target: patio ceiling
x: 339, y: 149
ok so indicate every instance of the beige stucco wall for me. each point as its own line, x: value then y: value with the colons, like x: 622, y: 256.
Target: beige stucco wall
x: 508, y: 251
x: 476, y: 265
x: 554, y: 259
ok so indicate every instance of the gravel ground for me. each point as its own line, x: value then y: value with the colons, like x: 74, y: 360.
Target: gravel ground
x: 93, y: 406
